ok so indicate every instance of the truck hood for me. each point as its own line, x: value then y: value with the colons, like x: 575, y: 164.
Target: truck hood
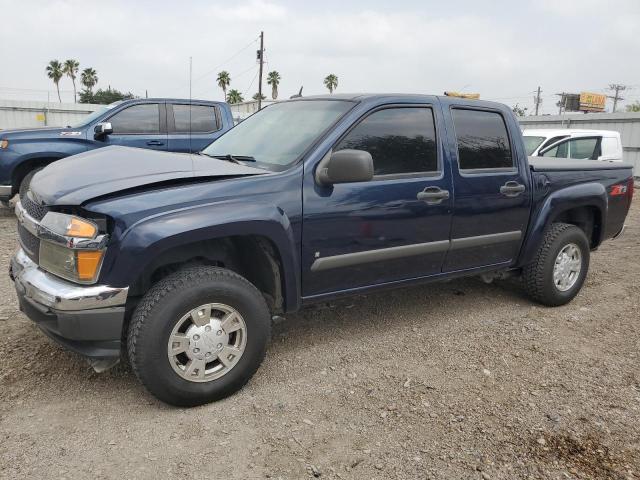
x: 104, y: 171
x: 39, y: 133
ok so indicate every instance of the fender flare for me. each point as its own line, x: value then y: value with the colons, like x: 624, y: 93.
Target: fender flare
x: 139, y: 244
x: 592, y: 195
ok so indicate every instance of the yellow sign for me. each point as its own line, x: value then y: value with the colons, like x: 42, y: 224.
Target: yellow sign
x: 470, y: 96
x: 592, y: 102
x: 40, y: 117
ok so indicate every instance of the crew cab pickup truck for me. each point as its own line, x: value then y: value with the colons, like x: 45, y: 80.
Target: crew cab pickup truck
x: 180, y: 261
x: 155, y: 123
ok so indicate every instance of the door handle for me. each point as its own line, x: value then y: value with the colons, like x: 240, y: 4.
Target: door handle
x: 512, y: 189
x: 433, y: 195
x: 155, y: 142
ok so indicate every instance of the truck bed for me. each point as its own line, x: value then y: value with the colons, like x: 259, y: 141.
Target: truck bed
x: 543, y: 164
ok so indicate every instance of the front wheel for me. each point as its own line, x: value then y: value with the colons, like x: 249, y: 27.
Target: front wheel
x: 556, y: 275
x: 198, y: 336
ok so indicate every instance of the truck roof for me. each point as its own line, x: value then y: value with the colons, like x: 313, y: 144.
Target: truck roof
x: 376, y: 97
x: 170, y: 100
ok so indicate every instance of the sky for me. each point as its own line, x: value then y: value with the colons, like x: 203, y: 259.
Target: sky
x: 503, y: 50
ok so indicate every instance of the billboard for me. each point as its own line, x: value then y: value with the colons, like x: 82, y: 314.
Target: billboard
x: 592, y: 102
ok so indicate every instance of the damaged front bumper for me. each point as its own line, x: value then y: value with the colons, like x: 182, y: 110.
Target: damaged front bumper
x: 85, y: 319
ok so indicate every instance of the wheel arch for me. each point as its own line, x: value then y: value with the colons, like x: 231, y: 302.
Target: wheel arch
x: 582, y: 205
x: 30, y: 163
x: 261, y: 248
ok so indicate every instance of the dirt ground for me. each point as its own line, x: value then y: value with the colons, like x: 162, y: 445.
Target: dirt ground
x: 460, y: 380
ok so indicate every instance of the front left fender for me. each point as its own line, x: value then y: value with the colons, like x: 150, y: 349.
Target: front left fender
x: 145, y: 240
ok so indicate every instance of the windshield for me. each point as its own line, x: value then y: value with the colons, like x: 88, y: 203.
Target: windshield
x: 92, y: 116
x: 277, y: 135
x: 531, y: 143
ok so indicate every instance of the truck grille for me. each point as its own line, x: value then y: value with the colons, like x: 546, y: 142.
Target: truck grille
x: 32, y: 208
x: 29, y: 242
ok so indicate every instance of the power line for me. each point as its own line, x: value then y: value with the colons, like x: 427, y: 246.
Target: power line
x: 232, y: 78
x: 246, y: 92
x: 227, y: 60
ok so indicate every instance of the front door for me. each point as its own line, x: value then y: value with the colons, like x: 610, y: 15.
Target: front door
x: 492, y: 192
x: 143, y: 126
x: 392, y: 228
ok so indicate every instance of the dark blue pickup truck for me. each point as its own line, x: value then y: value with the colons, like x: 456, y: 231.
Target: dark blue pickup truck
x: 155, y: 123
x: 180, y: 261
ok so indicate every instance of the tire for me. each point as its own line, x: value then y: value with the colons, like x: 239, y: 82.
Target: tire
x: 26, y: 181
x: 538, y: 277
x: 169, y: 304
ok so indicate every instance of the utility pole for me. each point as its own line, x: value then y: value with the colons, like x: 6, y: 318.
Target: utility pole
x: 617, y: 88
x: 261, y: 58
x: 538, y: 100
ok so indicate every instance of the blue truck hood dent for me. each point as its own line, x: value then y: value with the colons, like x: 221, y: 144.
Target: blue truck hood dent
x: 79, y: 178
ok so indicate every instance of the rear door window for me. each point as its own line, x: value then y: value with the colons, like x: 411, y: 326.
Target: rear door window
x: 483, y: 141
x: 202, y: 118
x: 400, y: 140
x: 584, y: 148
x: 137, y: 119
x: 559, y: 151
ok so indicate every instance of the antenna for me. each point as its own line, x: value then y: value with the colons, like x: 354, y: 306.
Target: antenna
x: 190, y: 83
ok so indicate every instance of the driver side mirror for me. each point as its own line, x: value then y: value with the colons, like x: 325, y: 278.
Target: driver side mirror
x: 101, y: 130
x: 345, y: 166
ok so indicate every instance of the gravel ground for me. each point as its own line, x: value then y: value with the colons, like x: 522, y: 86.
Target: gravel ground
x: 455, y: 380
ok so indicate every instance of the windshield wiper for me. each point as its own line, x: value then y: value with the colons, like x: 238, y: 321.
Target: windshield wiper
x: 230, y: 158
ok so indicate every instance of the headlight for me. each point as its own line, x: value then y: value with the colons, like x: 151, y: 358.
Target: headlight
x: 70, y: 247
x: 80, y: 266
x: 4, y: 144
x: 69, y: 226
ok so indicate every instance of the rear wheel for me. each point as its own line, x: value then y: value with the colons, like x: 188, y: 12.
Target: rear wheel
x: 556, y: 275
x: 198, y: 336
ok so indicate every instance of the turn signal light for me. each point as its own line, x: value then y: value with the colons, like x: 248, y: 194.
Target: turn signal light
x: 88, y: 262
x: 79, y: 228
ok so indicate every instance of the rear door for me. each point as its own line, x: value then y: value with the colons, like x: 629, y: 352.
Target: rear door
x: 392, y: 228
x: 492, y: 197
x: 192, y: 127
x: 141, y: 125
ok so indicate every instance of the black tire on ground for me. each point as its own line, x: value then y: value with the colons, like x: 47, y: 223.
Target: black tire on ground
x: 538, y: 275
x: 26, y: 181
x: 161, y: 309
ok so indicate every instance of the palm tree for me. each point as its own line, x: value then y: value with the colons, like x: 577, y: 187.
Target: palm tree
x: 257, y: 96
x: 331, y: 82
x: 234, y: 96
x: 273, y: 79
x: 89, y: 79
x: 55, y: 73
x: 71, y: 69
x: 224, y: 80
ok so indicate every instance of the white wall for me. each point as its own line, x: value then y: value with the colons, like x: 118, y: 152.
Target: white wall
x: 20, y: 113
